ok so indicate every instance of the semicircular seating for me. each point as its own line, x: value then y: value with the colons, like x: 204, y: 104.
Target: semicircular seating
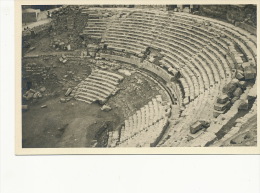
x: 206, y: 53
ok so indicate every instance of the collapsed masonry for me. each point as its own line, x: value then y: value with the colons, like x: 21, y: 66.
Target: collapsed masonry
x: 232, y: 91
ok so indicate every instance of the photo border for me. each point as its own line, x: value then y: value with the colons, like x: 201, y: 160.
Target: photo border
x: 114, y: 151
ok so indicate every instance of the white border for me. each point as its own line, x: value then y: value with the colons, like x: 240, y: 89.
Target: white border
x: 154, y: 150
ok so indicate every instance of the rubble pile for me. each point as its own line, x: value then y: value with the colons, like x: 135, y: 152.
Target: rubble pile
x: 232, y: 92
x: 33, y: 94
x: 247, y: 72
x: 58, y: 44
x: 63, y: 59
x: 67, y: 96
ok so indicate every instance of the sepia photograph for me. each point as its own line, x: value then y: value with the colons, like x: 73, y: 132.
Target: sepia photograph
x: 128, y: 78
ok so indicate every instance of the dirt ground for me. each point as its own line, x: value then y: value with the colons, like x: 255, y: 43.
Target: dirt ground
x: 63, y: 124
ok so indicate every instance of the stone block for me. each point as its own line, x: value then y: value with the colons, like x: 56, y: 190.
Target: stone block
x: 234, y: 81
x: 197, y: 126
x: 43, y: 89
x: 242, y: 84
x: 221, y: 107
x: 29, y: 96
x: 234, y: 99
x: 246, y: 64
x: 35, y: 96
x: 249, y: 73
x: 240, y: 75
x: 68, y: 92
x: 217, y: 113
x: 62, y: 100
x: 229, y: 88
x: 39, y: 95
x: 238, y: 92
x: 222, y: 99
x: 243, y: 104
x: 252, y: 93
x: 106, y: 108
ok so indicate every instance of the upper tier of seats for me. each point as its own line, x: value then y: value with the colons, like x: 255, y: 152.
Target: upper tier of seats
x: 206, y: 52
x: 96, y: 23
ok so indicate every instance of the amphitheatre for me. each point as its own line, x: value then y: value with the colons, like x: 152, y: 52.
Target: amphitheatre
x: 119, y: 76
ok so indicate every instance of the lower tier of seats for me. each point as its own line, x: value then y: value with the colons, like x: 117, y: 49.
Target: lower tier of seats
x: 99, y: 86
x: 144, y: 127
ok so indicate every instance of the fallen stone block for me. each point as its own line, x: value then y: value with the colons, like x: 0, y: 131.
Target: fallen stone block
x: 205, y: 123
x: 39, y: 95
x: 35, y: 96
x: 62, y: 100
x: 249, y: 73
x: 44, y: 106
x: 238, y: 92
x: 29, y: 96
x: 243, y: 104
x: 221, y: 107
x: 197, y: 126
x: 246, y: 64
x: 252, y: 94
x: 106, y: 108
x: 43, y: 89
x: 68, y: 92
x: 240, y: 75
x: 68, y: 99
x: 229, y: 88
x: 222, y: 99
x: 242, y: 84
x: 32, y: 90
x: 125, y: 72
x: 235, y: 81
